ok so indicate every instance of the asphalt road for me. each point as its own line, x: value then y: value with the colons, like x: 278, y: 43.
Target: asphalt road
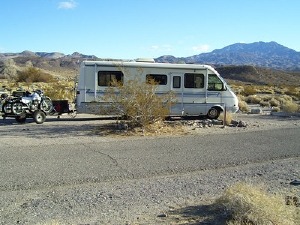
x: 37, y: 156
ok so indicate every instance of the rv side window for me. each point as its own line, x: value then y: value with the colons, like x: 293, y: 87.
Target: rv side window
x: 193, y: 80
x: 106, y: 77
x: 160, y: 79
x: 176, y: 82
x: 214, y: 83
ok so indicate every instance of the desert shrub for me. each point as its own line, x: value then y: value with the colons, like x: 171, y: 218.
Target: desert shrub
x: 264, y: 103
x: 60, y: 90
x: 32, y: 74
x: 247, y: 204
x: 290, y: 107
x: 274, y: 102
x: 266, y: 98
x: 228, y: 119
x: 10, y: 69
x: 137, y: 101
x: 284, y: 98
x: 249, y: 90
x: 293, y: 91
x: 254, y: 99
x: 275, y: 109
x: 243, y: 106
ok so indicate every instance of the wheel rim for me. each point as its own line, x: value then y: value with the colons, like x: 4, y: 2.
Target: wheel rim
x: 7, y: 108
x: 213, y: 113
x: 47, y: 105
x: 39, y: 117
x: 17, y: 108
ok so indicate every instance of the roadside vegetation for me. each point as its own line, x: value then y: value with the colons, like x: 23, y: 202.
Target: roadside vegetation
x: 247, y: 204
x: 137, y: 102
x: 282, y: 98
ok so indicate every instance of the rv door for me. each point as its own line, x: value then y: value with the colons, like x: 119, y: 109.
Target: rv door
x: 177, y: 88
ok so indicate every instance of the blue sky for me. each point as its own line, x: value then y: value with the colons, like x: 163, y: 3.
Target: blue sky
x: 128, y: 29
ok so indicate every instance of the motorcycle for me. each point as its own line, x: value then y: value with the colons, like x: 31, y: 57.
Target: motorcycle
x: 35, y: 105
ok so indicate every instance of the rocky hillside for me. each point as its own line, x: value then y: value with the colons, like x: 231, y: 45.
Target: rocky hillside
x: 259, y: 75
x: 261, y: 54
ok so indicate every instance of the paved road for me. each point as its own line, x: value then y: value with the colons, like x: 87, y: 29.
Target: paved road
x: 37, y: 156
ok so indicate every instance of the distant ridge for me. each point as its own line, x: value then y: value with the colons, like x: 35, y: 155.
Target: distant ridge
x: 48, y: 55
x: 262, y: 54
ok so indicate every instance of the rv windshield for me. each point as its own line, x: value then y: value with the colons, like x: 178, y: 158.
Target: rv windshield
x: 215, y: 83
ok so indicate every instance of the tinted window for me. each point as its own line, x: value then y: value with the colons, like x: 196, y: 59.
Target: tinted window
x: 176, y: 82
x: 160, y: 79
x: 193, y: 80
x: 106, y: 77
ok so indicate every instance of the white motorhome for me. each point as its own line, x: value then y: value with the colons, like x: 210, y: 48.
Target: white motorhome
x: 199, y: 89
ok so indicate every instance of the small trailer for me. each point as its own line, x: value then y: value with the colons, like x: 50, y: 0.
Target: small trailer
x: 63, y: 106
x: 22, y: 105
x: 199, y: 89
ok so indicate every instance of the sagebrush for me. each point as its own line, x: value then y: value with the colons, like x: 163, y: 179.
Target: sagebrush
x: 138, y: 102
x: 247, y: 204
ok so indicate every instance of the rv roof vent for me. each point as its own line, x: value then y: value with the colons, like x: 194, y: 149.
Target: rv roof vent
x: 149, y: 60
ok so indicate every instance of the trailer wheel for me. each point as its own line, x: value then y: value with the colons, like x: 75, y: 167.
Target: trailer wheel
x: 39, y: 117
x: 21, y: 118
x: 213, y: 113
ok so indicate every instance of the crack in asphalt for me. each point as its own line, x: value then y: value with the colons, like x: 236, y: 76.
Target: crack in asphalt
x: 115, y: 161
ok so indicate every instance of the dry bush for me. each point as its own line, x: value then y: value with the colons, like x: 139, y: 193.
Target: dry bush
x: 249, y: 90
x: 290, y: 107
x: 228, y: 119
x: 243, y: 106
x: 274, y: 102
x: 254, y: 99
x: 284, y: 98
x: 32, y: 74
x: 247, y: 204
x: 264, y: 104
x: 60, y: 90
x: 275, y: 109
x: 293, y: 91
x: 137, y: 101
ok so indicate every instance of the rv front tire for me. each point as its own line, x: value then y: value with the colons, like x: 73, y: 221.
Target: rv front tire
x: 213, y: 113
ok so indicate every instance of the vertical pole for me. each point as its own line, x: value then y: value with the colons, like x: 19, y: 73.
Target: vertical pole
x: 95, y: 88
x: 225, y: 114
x: 206, y: 85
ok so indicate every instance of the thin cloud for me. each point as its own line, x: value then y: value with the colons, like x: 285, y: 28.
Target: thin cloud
x: 67, y: 5
x: 201, y: 48
x: 161, y: 48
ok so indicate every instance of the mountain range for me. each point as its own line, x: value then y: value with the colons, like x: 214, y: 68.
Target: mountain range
x: 258, y: 62
x: 261, y: 54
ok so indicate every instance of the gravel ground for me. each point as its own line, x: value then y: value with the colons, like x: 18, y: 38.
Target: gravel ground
x: 173, y: 199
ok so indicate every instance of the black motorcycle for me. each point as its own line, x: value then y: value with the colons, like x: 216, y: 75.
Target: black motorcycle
x: 35, y: 105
